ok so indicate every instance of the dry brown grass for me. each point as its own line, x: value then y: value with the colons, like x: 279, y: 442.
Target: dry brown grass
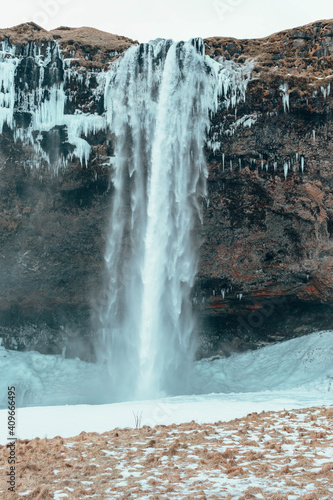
x: 214, y: 461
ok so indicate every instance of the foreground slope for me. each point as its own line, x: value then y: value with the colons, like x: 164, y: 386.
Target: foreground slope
x: 285, y: 455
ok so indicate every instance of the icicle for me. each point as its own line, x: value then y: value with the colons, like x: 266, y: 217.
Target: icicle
x: 8, y: 65
x: 233, y: 79
x: 285, y: 168
x: 302, y: 164
x: 326, y: 90
x: 285, y: 96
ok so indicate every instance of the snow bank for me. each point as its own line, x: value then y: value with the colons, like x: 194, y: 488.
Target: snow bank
x: 304, y: 362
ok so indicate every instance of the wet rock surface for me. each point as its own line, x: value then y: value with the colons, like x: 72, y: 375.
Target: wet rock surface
x: 266, y: 266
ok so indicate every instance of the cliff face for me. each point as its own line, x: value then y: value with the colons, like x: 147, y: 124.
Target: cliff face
x: 266, y: 267
x: 266, y: 260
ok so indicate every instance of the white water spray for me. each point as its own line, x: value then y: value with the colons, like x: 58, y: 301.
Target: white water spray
x: 158, y: 99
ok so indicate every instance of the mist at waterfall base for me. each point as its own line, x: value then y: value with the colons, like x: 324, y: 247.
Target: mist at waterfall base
x: 296, y: 373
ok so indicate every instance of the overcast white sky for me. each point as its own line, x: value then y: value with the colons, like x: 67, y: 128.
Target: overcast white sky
x: 178, y: 19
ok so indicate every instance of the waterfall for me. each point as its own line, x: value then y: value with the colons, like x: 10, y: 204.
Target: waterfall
x: 158, y: 98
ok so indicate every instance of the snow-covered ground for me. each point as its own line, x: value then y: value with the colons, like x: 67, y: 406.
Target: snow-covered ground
x: 51, y: 390
x: 68, y: 421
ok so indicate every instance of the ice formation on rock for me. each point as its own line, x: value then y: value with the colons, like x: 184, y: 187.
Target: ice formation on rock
x: 33, y: 84
x: 285, y: 97
x: 8, y: 64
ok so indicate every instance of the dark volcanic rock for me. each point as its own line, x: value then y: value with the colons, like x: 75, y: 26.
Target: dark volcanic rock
x: 266, y: 266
